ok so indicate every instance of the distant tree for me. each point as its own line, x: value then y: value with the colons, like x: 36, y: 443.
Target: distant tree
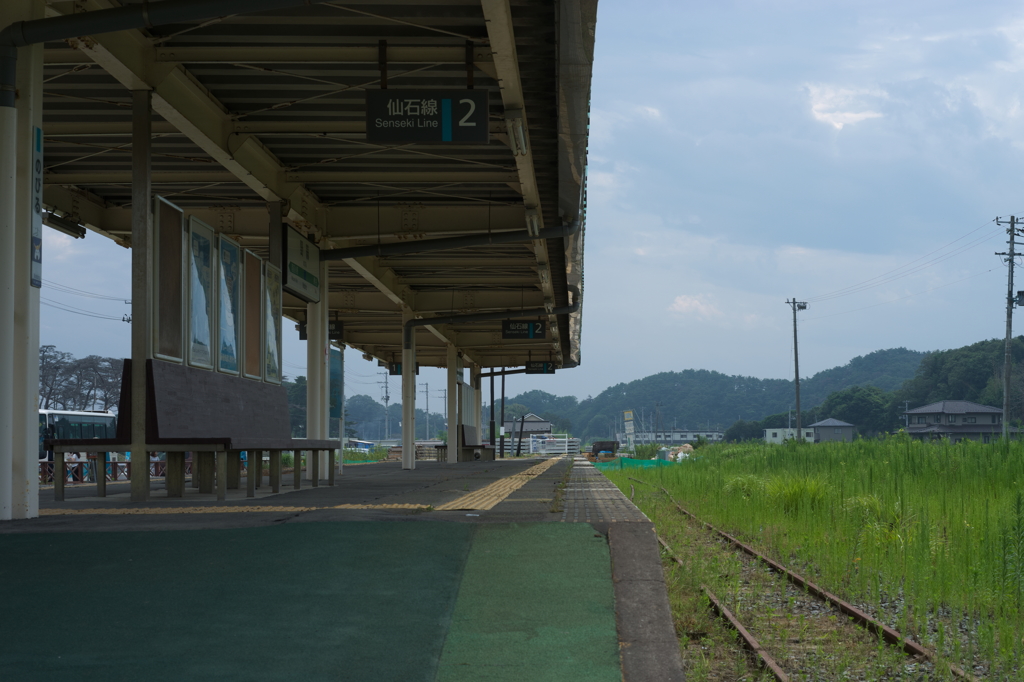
x: 744, y: 430
x: 297, y: 406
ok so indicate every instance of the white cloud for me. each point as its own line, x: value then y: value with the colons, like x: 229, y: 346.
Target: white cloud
x: 694, y: 305
x: 843, y: 106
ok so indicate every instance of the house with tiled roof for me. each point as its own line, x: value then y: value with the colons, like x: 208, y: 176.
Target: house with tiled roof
x: 833, y: 429
x: 956, y: 420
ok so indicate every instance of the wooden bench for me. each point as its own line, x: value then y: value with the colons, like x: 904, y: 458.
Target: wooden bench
x: 470, y: 447
x: 216, y: 416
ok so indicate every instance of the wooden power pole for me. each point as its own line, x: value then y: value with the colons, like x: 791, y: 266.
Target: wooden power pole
x: 797, y: 305
x: 1007, y: 360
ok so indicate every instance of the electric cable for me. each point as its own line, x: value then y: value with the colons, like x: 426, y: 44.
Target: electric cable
x: 875, y: 305
x: 63, y: 288
x: 87, y: 313
x: 912, y: 267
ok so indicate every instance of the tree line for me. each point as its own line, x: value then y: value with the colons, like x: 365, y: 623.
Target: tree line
x: 70, y: 383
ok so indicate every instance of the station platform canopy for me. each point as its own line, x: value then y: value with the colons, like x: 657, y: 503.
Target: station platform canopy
x: 260, y: 118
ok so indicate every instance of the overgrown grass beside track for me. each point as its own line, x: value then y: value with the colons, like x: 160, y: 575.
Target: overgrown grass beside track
x: 928, y: 536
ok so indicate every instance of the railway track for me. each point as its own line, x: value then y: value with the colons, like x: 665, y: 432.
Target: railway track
x: 762, y: 656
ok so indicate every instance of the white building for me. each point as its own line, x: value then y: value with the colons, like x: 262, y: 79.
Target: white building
x: 781, y: 435
x: 672, y: 436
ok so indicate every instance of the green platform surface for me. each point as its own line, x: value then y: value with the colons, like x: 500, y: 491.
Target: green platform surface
x: 536, y: 603
x: 310, y: 601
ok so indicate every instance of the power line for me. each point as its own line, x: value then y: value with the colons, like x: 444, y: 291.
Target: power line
x: 901, y: 298
x: 63, y: 288
x: 86, y: 313
x: 912, y: 267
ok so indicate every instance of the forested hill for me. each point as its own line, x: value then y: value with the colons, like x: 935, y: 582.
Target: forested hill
x: 694, y: 398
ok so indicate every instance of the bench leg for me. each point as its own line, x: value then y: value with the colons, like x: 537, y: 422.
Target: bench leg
x: 275, y: 471
x: 332, y: 459
x: 59, y: 474
x: 314, y: 468
x: 195, y: 470
x: 259, y: 468
x: 206, y: 470
x: 222, y: 475
x: 234, y: 464
x: 175, y: 474
x: 297, y: 483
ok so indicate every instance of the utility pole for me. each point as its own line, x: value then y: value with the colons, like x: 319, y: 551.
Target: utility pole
x: 1010, y: 261
x: 426, y: 392
x: 797, y: 305
x: 387, y: 401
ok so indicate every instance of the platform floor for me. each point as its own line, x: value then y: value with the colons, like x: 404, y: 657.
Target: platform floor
x: 389, y: 575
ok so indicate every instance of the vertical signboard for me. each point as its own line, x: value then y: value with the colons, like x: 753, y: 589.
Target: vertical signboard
x: 169, y: 247
x: 229, y: 356
x: 252, y: 346
x: 301, y: 266
x: 202, y: 301
x: 37, y: 209
x: 336, y: 383
x: 272, y: 324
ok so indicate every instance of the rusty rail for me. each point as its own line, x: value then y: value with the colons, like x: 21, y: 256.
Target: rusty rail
x: 858, y: 616
x: 749, y: 641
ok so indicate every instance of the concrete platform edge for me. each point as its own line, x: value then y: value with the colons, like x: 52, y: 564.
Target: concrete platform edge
x: 648, y: 646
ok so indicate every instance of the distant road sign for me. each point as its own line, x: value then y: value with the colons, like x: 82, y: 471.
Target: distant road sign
x: 521, y: 329
x: 540, y: 368
x: 399, y: 116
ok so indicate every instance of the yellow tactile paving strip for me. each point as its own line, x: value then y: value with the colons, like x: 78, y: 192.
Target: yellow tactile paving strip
x: 490, y: 495
x: 220, y: 510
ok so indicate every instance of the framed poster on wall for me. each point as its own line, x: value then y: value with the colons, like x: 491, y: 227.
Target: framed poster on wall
x: 229, y: 303
x: 168, y: 314
x: 202, y: 265
x: 272, y: 324
x: 252, y: 345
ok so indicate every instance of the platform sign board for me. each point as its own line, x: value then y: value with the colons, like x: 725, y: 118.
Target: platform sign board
x: 301, y: 266
x: 522, y: 329
x: 432, y: 116
x: 335, y: 331
x: 540, y: 367
x: 395, y: 369
x: 37, y: 209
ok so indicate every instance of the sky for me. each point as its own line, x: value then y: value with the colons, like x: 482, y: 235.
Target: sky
x: 852, y: 155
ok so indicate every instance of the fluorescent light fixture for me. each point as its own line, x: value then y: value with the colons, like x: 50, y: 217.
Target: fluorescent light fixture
x: 516, y: 130
x: 65, y: 225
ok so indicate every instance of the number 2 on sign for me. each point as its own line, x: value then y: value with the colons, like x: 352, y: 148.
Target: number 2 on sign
x: 472, y: 108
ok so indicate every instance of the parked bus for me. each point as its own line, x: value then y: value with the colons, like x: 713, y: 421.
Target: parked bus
x: 69, y: 424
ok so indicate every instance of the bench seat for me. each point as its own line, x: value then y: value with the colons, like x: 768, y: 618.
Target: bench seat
x: 190, y: 409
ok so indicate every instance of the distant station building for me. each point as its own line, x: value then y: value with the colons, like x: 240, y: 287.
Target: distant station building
x: 833, y: 430
x: 673, y: 436
x: 781, y: 435
x: 531, y: 425
x: 956, y: 420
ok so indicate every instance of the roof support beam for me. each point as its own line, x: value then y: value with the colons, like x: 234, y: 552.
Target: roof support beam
x: 498, y: 15
x: 247, y: 152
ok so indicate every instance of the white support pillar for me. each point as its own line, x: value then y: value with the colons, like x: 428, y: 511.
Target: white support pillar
x: 25, y: 496
x: 9, y: 226
x: 408, y: 396
x: 142, y: 230
x: 478, y: 396
x: 315, y: 338
x: 454, y: 373
x: 325, y: 368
